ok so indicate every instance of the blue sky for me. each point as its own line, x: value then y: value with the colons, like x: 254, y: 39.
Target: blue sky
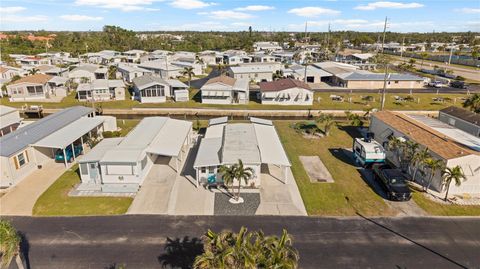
x: 234, y: 15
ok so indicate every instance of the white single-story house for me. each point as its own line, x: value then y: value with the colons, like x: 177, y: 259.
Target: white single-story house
x: 208, y: 57
x: 8, y: 72
x: 102, y: 90
x: 255, y: 143
x: 465, y: 120
x: 266, y: 46
x: 51, y: 70
x: 162, y: 69
x: 88, y: 72
x: 251, y: 72
x: 225, y: 90
x: 129, y: 72
x: 286, y: 92
x: 121, y: 164
x: 452, y: 146
x: 314, y: 74
x: 9, y: 119
x: 34, y: 88
x: 34, y: 145
x: 153, y: 89
x: 133, y: 56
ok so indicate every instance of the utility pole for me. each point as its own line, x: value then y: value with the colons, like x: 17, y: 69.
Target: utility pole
x: 306, y: 22
x: 401, y: 50
x: 450, y: 57
x: 328, y: 42
x: 384, y: 31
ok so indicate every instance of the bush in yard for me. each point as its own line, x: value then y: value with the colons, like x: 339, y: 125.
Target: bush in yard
x: 110, y: 134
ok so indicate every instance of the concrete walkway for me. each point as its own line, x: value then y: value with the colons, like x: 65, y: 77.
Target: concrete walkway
x: 316, y: 170
x: 20, y: 199
x: 277, y: 198
x: 154, y: 195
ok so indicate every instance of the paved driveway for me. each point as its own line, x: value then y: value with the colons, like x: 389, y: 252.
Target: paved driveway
x: 19, y: 200
x: 154, y: 195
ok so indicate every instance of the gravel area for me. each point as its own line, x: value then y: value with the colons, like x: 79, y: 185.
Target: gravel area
x: 247, y: 208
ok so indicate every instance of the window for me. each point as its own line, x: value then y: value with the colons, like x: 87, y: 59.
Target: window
x: 203, y: 170
x: 21, y: 159
x: 211, y: 169
x: 84, y: 169
x: 144, y: 162
x: 451, y: 121
x: 119, y: 169
x: 396, y: 81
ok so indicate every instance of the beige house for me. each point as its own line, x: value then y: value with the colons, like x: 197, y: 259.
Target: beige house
x: 34, y: 88
x: 225, y: 90
x: 445, y: 146
x: 286, y: 92
x: 102, y: 90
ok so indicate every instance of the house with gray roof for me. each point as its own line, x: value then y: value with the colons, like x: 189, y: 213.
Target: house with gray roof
x: 129, y: 72
x: 154, y: 89
x: 37, y: 144
x: 465, y: 120
x: 88, y: 72
x: 102, y: 90
x: 251, y: 72
x: 255, y: 143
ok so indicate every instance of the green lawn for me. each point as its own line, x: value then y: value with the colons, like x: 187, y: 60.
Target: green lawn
x: 126, y: 126
x: 329, y: 198
x: 437, y: 209
x: 322, y: 100
x: 56, y: 202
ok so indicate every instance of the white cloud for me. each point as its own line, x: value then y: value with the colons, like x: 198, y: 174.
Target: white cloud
x: 190, y: 4
x: 468, y: 10
x: 124, y: 5
x: 11, y: 9
x: 227, y: 14
x: 241, y: 24
x: 255, y: 8
x: 313, y: 11
x: 386, y: 4
x: 24, y: 19
x: 75, y: 17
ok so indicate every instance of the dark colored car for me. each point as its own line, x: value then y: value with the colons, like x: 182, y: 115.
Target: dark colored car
x: 458, y: 84
x: 393, y: 181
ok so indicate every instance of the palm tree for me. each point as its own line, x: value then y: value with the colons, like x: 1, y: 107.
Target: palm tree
x: 424, y: 56
x: 328, y: 122
x: 473, y: 103
x: 409, y: 149
x: 236, y: 171
x: 9, y: 245
x: 355, y: 119
x: 418, y: 160
x: 395, y: 145
x: 452, y: 174
x: 433, y: 165
x: 33, y: 71
x: 112, y: 72
x: 246, y: 250
x: 188, y: 71
x: 221, y: 68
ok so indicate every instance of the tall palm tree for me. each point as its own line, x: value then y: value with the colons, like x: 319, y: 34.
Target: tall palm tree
x: 395, y: 145
x: 188, y: 71
x: 433, y: 165
x: 473, y: 103
x: 408, y: 151
x: 424, y: 56
x: 33, y: 71
x: 355, y: 119
x: 221, y: 68
x: 328, y: 122
x: 236, y: 171
x: 281, y: 254
x: 452, y: 174
x: 9, y: 245
x: 418, y: 160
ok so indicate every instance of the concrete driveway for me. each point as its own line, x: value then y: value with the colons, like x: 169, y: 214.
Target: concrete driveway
x: 20, y: 199
x: 154, y: 195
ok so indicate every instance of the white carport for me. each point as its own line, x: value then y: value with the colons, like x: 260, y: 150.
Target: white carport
x: 171, y: 139
x: 66, y: 136
x: 270, y: 146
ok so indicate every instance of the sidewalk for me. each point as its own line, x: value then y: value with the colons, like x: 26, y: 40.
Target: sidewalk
x: 21, y: 198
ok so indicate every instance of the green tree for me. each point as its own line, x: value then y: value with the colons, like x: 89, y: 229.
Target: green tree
x: 418, y: 160
x: 112, y: 72
x: 355, y: 119
x: 424, y: 56
x: 327, y: 121
x: 454, y: 174
x: 433, y: 165
x: 9, y: 245
x: 221, y: 68
x: 395, y: 145
x: 33, y: 71
x: 473, y: 103
x: 249, y: 250
x: 188, y: 72
x: 238, y: 172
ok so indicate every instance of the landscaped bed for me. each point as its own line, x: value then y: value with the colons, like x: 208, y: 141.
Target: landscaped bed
x: 56, y: 202
x: 440, y: 209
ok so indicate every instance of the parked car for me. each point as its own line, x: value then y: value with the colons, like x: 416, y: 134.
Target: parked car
x: 59, y: 157
x: 436, y: 84
x: 393, y: 181
x: 458, y: 84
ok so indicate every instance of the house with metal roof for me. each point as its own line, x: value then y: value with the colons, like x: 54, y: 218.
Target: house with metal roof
x: 446, y: 144
x: 102, y: 90
x: 462, y: 119
x: 286, y: 91
x: 88, y: 73
x: 9, y: 119
x: 129, y: 72
x: 251, y: 72
x: 38, y: 87
x: 39, y: 143
x: 256, y: 143
x: 225, y: 90
x: 121, y: 164
x: 154, y: 89
x: 162, y: 68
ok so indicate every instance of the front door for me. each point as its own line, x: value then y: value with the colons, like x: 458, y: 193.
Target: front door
x: 93, y: 169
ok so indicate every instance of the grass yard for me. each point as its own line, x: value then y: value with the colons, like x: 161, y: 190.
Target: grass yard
x: 56, y: 202
x: 438, y: 209
x: 126, y: 126
x: 329, y: 198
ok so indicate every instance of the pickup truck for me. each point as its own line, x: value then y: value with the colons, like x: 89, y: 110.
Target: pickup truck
x: 78, y: 149
x: 393, y: 181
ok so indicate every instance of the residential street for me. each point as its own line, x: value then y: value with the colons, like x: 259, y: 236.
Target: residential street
x: 140, y: 241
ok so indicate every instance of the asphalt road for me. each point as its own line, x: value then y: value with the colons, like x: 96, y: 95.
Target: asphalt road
x: 141, y: 241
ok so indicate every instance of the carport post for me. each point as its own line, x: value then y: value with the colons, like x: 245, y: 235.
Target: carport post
x: 73, y: 151
x: 81, y: 141
x: 176, y: 163
x: 285, y: 174
x: 196, y: 173
x: 65, y: 157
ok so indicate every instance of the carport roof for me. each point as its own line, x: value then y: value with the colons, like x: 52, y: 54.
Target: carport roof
x: 68, y: 134
x: 170, y: 139
x: 97, y: 153
x: 271, y: 149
